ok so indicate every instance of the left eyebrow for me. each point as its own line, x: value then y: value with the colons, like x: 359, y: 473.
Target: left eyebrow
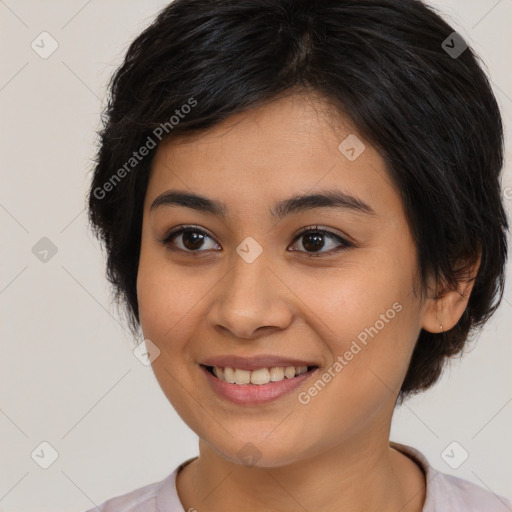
x: 294, y: 204
x: 322, y: 199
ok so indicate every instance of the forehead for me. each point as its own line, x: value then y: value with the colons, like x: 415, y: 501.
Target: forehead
x: 288, y: 146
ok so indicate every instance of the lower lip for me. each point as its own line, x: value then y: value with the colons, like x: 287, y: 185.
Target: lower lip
x: 253, y: 394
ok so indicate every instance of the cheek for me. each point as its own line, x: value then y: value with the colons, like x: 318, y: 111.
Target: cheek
x: 168, y: 312
x: 371, y: 340
x: 168, y: 296
x: 369, y: 317
x: 343, y: 302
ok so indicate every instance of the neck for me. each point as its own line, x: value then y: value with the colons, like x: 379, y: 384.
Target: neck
x: 363, y: 475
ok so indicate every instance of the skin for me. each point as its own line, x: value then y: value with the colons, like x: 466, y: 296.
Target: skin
x: 332, y: 453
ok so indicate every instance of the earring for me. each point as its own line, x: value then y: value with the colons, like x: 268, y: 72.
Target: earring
x: 440, y: 325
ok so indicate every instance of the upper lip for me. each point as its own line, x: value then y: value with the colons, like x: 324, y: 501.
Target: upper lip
x: 254, y: 363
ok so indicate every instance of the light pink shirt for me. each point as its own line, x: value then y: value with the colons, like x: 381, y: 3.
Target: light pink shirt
x: 444, y: 493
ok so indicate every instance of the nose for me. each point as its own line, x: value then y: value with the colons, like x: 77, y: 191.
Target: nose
x: 251, y: 300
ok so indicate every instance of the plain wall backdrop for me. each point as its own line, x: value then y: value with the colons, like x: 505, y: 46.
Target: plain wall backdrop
x: 69, y: 377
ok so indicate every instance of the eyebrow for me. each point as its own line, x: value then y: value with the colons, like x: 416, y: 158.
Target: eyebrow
x: 330, y: 198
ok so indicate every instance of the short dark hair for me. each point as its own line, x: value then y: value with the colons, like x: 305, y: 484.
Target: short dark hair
x: 429, y: 112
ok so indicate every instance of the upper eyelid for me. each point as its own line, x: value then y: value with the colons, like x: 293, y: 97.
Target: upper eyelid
x: 179, y: 230
x: 321, y: 229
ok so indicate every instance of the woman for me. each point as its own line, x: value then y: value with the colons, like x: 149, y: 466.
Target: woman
x: 301, y: 208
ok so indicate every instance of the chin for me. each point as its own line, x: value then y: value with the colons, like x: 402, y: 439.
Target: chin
x: 258, y: 451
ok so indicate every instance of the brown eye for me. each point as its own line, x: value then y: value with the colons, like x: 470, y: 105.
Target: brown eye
x: 313, y: 240
x: 188, y: 239
x: 192, y: 239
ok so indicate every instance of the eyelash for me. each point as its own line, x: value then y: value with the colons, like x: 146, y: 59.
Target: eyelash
x: 344, y: 244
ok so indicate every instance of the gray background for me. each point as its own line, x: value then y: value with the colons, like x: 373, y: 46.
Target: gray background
x: 68, y: 373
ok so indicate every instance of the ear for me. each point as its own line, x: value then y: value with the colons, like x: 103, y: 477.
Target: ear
x: 444, y: 309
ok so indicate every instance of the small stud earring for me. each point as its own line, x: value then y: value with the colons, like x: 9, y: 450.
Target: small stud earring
x: 442, y: 330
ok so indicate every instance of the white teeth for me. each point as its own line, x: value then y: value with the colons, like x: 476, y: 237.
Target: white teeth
x: 260, y: 376
x: 229, y: 375
x: 276, y: 374
x: 289, y: 372
x: 242, y: 376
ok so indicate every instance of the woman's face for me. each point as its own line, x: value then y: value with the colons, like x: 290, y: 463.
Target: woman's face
x: 243, y: 288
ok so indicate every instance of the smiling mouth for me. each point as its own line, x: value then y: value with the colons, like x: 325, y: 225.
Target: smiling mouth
x: 260, y: 376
